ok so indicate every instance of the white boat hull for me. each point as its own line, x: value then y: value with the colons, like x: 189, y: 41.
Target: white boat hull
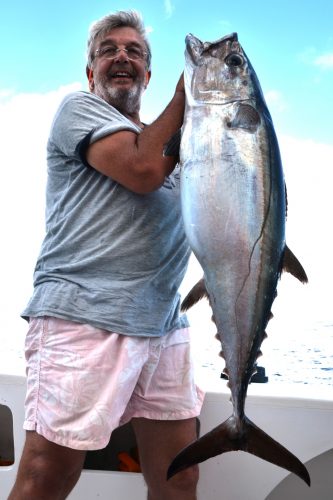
x: 300, y: 417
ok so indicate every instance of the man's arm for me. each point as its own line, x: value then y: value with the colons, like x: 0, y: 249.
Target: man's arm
x: 136, y: 160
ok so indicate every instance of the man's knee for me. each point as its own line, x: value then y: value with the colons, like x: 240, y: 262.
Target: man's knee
x: 46, y: 467
x: 186, y: 480
x: 41, y: 455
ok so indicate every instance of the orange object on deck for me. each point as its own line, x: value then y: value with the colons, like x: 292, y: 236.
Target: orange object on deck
x: 127, y: 463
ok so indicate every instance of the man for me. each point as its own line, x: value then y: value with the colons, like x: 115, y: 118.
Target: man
x: 106, y: 343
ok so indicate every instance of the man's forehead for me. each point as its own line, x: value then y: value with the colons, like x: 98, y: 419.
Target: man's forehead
x: 122, y: 35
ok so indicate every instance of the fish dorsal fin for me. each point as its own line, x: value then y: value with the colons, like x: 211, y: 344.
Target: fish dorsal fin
x: 246, y: 117
x: 292, y: 265
x: 197, y: 293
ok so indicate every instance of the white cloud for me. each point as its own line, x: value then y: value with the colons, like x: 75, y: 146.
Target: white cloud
x: 22, y: 114
x: 5, y: 94
x: 275, y: 100
x: 24, y: 127
x: 169, y: 8
x: 149, y: 29
x: 324, y: 61
x: 310, y: 56
x: 225, y: 26
x: 308, y: 168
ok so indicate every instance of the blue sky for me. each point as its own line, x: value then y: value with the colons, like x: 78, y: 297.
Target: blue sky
x: 290, y: 45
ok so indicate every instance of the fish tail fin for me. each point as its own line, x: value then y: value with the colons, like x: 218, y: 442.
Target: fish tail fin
x: 263, y: 446
x: 246, y: 437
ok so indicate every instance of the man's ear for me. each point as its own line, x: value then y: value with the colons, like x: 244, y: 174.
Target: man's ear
x: 90, y: 76
x: 147, y: 78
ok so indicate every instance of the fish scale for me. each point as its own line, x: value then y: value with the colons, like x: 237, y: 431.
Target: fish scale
x: 234, y: 207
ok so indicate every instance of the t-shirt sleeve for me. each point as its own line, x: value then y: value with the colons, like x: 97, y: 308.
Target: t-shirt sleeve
x: 83, y: 118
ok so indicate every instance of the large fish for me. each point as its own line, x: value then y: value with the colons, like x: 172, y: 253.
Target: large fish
x: 234, y: 209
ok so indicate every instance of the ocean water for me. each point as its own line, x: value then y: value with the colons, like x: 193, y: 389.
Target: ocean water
x: 299, y: 344
x: 299, y: 357
x: 304, y: 357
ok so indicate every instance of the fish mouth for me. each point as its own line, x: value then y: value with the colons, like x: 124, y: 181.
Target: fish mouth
x: 233, y: 37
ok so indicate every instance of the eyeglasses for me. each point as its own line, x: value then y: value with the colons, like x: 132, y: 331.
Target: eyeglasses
x: 110, y: 52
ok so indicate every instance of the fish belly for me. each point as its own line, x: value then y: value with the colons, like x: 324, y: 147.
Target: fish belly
x: 234, y: 225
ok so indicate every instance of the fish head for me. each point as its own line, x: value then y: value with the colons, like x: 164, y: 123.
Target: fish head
x: 218, y: 72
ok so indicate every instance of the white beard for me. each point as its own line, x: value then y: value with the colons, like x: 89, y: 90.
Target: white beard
x: 127, y: 101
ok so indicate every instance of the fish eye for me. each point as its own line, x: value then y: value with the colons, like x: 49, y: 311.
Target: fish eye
x: 234, y: 60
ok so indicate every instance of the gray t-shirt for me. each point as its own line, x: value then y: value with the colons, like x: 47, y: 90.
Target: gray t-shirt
x: 111, y: 258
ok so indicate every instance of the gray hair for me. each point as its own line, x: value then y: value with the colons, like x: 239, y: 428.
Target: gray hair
x: 128, y: 19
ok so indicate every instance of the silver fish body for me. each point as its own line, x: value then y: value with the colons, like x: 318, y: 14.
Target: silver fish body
x: 234, y: 209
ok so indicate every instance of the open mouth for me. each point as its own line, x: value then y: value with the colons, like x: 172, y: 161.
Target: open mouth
x: 123, y: 75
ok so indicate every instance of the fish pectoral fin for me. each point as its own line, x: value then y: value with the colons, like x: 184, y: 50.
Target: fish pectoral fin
x: 246, y: 117
x: 197, y: 293
x: 231, y: 437
x: 172, y: 147
x: 292, y: 265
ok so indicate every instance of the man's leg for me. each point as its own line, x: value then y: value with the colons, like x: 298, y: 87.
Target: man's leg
x: 159, y: 441
x: 47, y: 471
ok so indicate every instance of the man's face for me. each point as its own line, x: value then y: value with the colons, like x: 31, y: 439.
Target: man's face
x: 119, y: 80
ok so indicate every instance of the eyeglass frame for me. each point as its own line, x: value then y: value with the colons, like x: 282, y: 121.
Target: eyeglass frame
x: 142, y: 57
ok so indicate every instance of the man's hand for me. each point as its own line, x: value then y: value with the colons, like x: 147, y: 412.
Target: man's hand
x: 180, y: 85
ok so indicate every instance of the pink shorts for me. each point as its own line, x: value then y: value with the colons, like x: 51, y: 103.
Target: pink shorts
x: 83, y: 382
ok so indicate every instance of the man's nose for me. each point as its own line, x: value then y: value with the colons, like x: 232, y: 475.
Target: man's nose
x: 121, y: 55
